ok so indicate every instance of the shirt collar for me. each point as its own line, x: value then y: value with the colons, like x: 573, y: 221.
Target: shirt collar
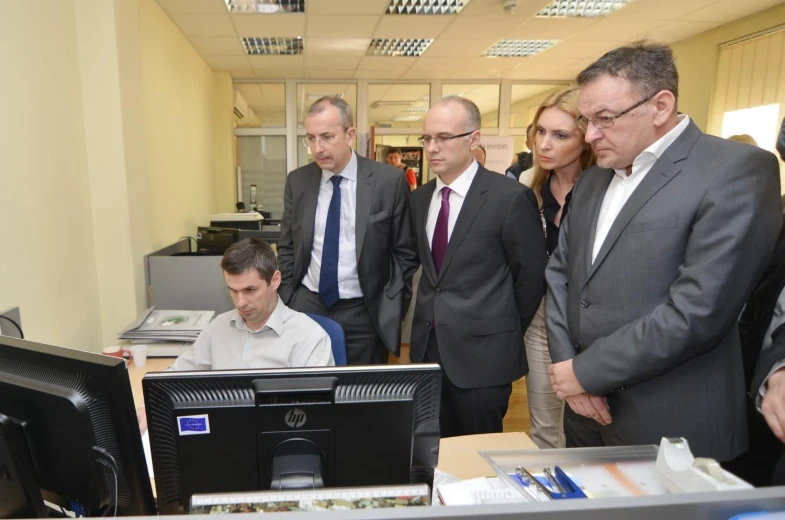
x: 274, y: 322
x: 463, y: 182
x: 658, y: 147
x: 349, y: 172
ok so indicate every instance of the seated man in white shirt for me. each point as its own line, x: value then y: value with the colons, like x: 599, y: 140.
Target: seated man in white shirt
x: 261, y: 331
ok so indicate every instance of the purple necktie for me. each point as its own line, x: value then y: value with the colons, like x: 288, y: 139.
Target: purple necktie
x: 439, y: 243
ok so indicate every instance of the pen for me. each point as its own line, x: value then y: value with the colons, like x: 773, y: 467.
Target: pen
x: 553, y: 481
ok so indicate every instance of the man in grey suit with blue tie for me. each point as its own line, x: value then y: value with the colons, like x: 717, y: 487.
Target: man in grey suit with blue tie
x: 346, y: 249
x: 665, y: 239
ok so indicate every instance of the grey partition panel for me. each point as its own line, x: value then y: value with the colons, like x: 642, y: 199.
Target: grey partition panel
x: 695, y: 506
x: 191, y: 283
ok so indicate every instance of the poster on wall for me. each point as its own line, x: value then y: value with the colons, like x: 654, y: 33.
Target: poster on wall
x: 499, y: 152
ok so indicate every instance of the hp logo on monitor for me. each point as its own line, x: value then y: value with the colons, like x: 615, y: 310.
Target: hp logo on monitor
x: 295, y: 418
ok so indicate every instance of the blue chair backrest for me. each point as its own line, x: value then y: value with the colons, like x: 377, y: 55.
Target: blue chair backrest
x: 337, y: 338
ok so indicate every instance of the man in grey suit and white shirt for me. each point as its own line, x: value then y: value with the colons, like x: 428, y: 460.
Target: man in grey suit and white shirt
x: 664, y: 241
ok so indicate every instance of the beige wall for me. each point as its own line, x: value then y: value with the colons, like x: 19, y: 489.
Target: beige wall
x: 48, y: 268
x: 180, y: 104
x: 697, y: 60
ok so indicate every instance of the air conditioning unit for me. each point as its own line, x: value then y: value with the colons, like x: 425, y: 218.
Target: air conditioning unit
x: 240, y: 106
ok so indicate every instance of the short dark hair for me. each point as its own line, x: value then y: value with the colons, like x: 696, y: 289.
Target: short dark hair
x: 650, y: 67
x: 394, y: 150
x: 347, y: 120
x: 251, y: 253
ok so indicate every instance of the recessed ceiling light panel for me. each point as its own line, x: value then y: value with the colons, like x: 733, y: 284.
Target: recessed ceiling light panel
x: 407, y: 118
x: 265, y: 6
x: 398, y: 47
x: 518, y: 48
x: 582, y: 8
x: 426, y: 6
x: 273, y: 46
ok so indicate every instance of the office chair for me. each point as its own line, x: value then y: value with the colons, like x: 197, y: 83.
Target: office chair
x: 337, y: 338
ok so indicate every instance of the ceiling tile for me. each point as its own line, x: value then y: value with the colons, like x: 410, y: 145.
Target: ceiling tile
x: 329, y: 74
x: 658, y: 9
x: 332, y: 62
x: 438, y: 64
x: 341, y: 26
x: 218, y: 46
x: 242, y: 73
x: 679, y: 30
x: 337, y: 46
x: 525, y: 8
x: 279, y: 73
x: 479, y: 27
x: 550, y: 28
x: 227, y: 63
x: 204, y: 25
x: 386, y: 63
x: 408, y: 26
x: 571, y: 50
x: 194, y: 6
x: 269, y: 25
x: 319, y: 7
x: 441, y: 48
x: 728, y: 10
x: 288, y: 62
x: 616, y: 30
x: 379, y: 74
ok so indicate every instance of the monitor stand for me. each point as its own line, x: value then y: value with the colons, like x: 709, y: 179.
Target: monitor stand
x: 20, y: 496
x: 297, y: 464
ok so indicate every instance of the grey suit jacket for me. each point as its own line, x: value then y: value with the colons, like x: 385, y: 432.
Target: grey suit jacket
x: 652, y: 323
x: 490, y: 285
x: 386, y: 259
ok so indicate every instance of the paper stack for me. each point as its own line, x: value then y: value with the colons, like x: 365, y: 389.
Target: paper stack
x: 159, y: 326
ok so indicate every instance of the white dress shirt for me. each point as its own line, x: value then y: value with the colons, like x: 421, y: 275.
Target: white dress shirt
x: 348, y: 279
x: 777, y: 319
x: 622, y: 185
x: 288, y: 339
x: 460, y: 187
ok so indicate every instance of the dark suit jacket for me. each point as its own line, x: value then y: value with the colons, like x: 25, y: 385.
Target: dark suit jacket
x: 490, y: 285
x: 652, y: 322
x: 386, y: 259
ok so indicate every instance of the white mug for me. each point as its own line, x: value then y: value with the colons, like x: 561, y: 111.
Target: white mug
x: 138, y: 354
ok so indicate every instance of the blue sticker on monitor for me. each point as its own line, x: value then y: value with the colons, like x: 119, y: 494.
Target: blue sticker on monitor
x: 193, y: 425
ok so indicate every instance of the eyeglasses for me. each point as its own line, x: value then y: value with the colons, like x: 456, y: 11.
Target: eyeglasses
x: 439, y: 140
x: 324, y: 140
x: 607, y: 121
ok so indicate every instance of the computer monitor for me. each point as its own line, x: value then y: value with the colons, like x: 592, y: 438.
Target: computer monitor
x: 215, y: 240
x: 68, y: 434
x: 251, y: 430
x: 270, y: 234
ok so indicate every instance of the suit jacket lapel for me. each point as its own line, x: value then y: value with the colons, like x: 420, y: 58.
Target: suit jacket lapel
x: 421, y: 218
x: 666, y: 167
x: 597, y: 197
x: 365, y: 184
x: 310, y: 197
x: 475, y: 198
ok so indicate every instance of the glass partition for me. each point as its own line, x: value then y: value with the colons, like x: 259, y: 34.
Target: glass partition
x: 262, y: 161
x: 486, y: 97
x: 260, y: 105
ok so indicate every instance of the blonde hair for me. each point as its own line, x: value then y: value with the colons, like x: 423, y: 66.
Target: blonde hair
x: 565, y: 100
x: 744, y: 138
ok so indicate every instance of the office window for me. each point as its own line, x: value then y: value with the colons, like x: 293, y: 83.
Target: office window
x: 525, y: 100
x: 307, y: 93
x: 260, y: 105
x: 262, y: 162
x: 397, y: 105
x: 486, y: 97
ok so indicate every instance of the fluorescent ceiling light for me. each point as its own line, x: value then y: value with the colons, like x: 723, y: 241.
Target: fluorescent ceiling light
x: 518, y: 48
x: 407, y: 118
x: 426, y: 6
x: 582, y: 8
x: 273, y: 46
x: 416, y: 109
x: 265, y: 6
x: 398, y: 47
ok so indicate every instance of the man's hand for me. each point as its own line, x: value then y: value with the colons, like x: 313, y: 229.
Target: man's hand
x: 563, y: 380
x: 591, y: 406
x: 773, y: 403
x: 141, y: 416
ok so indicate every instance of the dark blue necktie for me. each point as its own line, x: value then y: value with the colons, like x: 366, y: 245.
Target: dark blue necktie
x: 328, y: 278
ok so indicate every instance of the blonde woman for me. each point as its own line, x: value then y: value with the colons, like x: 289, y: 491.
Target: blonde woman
x: 560, y: 156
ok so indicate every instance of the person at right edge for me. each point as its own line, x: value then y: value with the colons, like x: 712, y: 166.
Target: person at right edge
x: 665, y: 239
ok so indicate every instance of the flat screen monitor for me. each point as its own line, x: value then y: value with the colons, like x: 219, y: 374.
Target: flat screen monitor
x: 215, y: 240
x: 68, y: 434
x: 250, y: 430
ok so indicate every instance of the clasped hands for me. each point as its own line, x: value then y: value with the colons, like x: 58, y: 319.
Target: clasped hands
x: 567, y: 387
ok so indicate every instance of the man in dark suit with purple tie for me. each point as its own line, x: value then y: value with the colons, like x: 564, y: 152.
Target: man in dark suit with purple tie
x: 479, y: 240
